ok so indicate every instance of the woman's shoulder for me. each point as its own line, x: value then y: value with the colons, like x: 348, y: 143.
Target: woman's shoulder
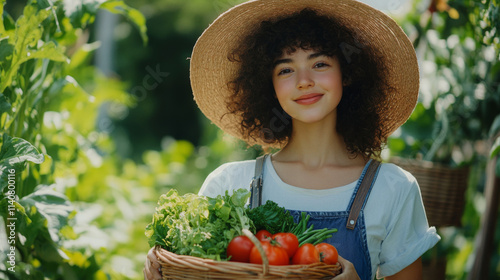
x: 393, y: 179
x: 395, y: 172
x: 234, y: 168
x: 228, y: 176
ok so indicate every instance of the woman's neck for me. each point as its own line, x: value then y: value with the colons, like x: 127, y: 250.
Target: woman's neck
x: 317, y: 145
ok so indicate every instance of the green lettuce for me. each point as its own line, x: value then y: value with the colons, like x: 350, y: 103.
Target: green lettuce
x: 197, y: 225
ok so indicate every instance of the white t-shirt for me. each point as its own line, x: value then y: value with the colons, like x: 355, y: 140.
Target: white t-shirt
x: 396, y: 225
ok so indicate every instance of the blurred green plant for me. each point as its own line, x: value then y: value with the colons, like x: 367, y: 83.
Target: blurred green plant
x: 458, y: 44
x: 49, y: 100
x: 457, y: 119
x: 167, y: 107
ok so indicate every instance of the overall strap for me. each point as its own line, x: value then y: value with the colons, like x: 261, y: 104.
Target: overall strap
x: 363, y: 192
x: 257, y: 181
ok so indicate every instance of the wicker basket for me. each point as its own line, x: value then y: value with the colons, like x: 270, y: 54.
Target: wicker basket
x: 175, y: 266
x: 443, y: 190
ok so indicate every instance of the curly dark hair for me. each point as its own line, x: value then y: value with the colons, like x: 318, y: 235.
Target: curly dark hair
x: 254, y: 100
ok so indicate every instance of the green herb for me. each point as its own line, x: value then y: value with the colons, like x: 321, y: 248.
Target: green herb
x: 197, y: 225
x: 271, y: 217
x: 309, y: 234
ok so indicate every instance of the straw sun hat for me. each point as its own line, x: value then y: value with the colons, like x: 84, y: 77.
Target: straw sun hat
x: 211, y: 69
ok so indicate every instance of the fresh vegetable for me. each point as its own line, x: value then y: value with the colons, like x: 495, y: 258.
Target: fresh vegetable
x: 288, y: 241
x: 278, y: 246
x: 306, y: 254
x: 274, y: 253
x: 327, y: 253
x: 271, y: 217
x: 197, y: 225
x: 309, y: 234
x: 239, y: 249
x: 263, y: 235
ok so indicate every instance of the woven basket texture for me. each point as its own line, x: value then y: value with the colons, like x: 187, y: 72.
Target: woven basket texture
x: 175, y: 266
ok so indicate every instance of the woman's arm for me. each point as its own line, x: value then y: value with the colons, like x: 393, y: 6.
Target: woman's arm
x: 411, y: 272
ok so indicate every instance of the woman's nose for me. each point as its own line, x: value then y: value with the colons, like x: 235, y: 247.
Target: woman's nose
x: 304, y: 80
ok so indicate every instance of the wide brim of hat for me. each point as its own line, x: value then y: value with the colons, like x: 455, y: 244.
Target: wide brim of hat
x: 211, y: 70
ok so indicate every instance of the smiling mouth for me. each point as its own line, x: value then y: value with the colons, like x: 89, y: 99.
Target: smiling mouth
x: 308, y: 99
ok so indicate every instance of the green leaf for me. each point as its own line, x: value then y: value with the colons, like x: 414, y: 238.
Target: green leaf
x: 51, y: 206
x: 48, y: 51
x: 25, y: 44
x: 13, y: 154
x: 240, y: 197
x: 495, y: 127
x: 6, y: 50
x: 4, y: 105
x: 49, y: 250
x: 83, y: 55
x: 27, y: 34
x: 8, y: 22
x: 16, y: 150
x: 119, y: 7
x: 495, y: 149
x: 2, y: 27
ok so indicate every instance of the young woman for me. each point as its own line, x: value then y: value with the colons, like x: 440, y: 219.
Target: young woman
x: 326, y: 82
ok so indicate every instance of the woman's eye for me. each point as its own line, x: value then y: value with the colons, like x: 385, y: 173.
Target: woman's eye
x: 320, y: 65
x: 284, y: 71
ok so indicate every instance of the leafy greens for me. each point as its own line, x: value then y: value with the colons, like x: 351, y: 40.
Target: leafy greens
x: 271, y: 217
x: 197, y: 225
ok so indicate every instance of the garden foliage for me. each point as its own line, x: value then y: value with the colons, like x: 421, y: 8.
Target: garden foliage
x: 457, y: 119
x: 49, y: 105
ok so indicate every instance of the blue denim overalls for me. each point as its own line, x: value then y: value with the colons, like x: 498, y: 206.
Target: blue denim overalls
x: 350, y: 239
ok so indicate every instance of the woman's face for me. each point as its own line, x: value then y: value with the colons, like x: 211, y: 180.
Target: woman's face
x: 308, y: 85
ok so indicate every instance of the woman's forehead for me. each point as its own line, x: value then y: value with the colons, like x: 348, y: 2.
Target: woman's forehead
x: 309, y: 53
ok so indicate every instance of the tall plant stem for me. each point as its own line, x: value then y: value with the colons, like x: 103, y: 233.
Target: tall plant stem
x: 440, y: 139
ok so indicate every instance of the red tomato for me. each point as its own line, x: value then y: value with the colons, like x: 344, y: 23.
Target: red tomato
x: 327, y: 253
x: 263, y: 235
x: 239, y: 249
x: 276, y: 255
x: 306, y: 254
x: 288, y: 241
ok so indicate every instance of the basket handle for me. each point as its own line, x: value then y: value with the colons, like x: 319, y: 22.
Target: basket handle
x: 256, y: 242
